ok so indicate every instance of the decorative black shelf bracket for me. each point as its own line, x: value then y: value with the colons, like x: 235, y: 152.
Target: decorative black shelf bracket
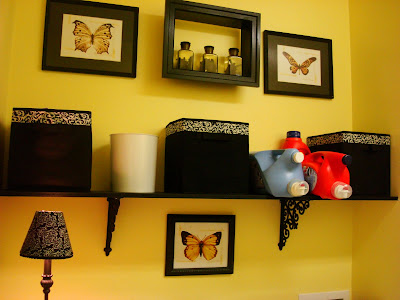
x: 113, y: 206
x: 290, y: 211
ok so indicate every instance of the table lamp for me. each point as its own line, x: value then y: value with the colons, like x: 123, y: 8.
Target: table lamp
x: 47, y: 239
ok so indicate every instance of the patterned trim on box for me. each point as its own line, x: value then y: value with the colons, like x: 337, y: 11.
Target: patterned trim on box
x: 348, y: 137
x: 207, y: 126
x: 51, y: 117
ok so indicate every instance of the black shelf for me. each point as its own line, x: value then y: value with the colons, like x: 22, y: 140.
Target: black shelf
x: 247, y: 22
x: 291, y: 208
x: 108, y: 194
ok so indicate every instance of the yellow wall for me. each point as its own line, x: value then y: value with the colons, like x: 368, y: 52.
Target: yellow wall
x: 376, y: 244
x: 6, y: 30
x: 318, y: 256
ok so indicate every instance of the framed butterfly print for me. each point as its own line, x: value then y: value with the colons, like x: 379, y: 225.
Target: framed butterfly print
x: 200, y: 244
x: 297, y: 65
x: 90, y: 37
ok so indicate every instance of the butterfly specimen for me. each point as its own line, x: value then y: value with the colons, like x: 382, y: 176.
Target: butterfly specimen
x: 196, y: 247
x: 84, y: 38
x: 294, y: 66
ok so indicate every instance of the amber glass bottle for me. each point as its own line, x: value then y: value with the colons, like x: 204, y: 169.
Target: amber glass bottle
x: 185, y: 57
x: 210, y: 60
x: 234, y: 66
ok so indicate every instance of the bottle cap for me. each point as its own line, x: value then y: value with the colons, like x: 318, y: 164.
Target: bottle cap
x: 298, y: 157
x: 185, y: 45
x: 298, y: 188
x: 293, y: 134
x: 233, y: 51
x: 347, y: 159
x: 341, y: 190
x: 209, y: 49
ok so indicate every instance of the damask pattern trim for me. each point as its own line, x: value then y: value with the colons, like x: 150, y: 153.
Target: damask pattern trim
x: 82, y: 118
x: 349, y: 137
x: 207, y: 126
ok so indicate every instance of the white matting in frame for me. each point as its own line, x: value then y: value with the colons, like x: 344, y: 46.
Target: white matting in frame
x: 90, y: 26
x: 201, y: 231
x: 300, y: 57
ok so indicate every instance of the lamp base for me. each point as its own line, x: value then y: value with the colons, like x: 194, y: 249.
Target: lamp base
x: 47, y: 282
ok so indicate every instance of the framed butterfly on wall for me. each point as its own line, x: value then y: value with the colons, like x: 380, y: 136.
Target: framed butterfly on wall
x: 199, y: 244
x: 297, y: 65
x: 90, y: 37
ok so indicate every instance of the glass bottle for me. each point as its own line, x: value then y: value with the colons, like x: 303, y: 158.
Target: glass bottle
x: 210, y: 60
x: 185, y: 57
x: 234, y: 62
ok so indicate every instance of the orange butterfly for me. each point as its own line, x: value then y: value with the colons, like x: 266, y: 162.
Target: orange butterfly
x: 295, y: 66
x: 196, y: 247
x: 84, y: 38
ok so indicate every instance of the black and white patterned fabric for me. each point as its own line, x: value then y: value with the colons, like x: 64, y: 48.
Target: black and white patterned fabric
x: 209, y: 126
x: 51, y: 116
x: 47, y: 237
x: 349, y: 137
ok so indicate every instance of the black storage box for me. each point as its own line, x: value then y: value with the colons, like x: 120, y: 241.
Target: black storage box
x: 50, y: 150
x: 206, y: 156
x: 370, y: 167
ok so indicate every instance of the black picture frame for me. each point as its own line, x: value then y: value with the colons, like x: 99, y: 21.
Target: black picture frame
x: 60, y: 52
x: 248, y: 23
x: 278, y: 75
x: 217, y: 229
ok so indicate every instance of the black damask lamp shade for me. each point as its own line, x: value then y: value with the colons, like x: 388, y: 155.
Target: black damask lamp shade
x: 47, y: 237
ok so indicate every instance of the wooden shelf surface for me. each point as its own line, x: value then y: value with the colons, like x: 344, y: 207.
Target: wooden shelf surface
x: 108, y: 194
